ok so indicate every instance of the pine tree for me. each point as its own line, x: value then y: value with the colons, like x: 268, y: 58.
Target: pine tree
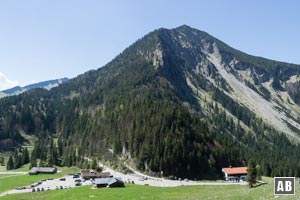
x: 258, y: 172
x: 252, y: 172
x: 25, y: 156
x: 1, y: 161
x: 94, y: 164
x: 17, y: 160
x: 10, y: 163
x: 55, y: 156
x: 33, y: 162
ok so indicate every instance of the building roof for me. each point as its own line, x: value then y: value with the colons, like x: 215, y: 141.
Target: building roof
x: 115, y: 180
x: 90, y: 173
x: 101, y: 181
x: 42, y: 169
x: 107, y: 181
x: 235, y: 170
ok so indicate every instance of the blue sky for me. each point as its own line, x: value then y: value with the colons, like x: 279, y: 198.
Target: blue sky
x: 42, y: 40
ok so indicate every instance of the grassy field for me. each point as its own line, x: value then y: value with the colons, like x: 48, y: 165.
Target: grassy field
x: 131, y: 192
x: 8, y: 182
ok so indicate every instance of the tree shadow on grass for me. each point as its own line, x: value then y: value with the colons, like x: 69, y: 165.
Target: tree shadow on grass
x: 258, y: 184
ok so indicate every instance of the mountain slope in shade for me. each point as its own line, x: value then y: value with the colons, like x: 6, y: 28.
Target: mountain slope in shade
x: 45, y: 84
x: 177, y: 101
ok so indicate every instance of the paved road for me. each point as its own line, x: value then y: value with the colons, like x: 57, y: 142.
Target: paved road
x: 8, y: 172
x: 143, y: 179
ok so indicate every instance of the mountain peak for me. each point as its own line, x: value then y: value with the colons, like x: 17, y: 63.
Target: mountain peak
x: 184, y: 26
x: 190, y: 92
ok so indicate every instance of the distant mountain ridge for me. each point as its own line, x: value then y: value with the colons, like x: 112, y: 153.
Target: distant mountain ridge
x: 44, y: 84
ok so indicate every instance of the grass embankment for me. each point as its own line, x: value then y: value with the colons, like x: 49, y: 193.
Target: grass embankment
x: 9, y: 182
x: 232, y: 192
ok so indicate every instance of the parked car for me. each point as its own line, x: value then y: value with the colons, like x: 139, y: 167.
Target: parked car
x: 243, y: 178
x: 61, y: 187
x: 38, y: 189
x: 77, y: 183
x: 42, y: 189
x: 62, y: 179
x: 33, y: 189
x: 75, y: 176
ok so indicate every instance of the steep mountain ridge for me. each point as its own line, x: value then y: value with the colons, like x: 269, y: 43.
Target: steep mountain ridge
x: 178, y: 101
x: 248, y: 84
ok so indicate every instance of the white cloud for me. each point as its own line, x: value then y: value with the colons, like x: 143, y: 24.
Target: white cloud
x: 5, y: 83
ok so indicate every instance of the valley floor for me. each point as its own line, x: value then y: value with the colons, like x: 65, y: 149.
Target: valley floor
x: 136, y: 177
x: 232, y: 192
x: 143, y: 189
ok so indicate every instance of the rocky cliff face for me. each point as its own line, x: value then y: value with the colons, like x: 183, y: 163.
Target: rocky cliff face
x: 268, y: 88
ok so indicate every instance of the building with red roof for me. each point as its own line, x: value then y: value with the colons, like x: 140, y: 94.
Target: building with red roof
x: 235, y: 174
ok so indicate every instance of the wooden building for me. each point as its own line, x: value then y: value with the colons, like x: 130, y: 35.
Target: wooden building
x: 42, y: 170
x: 90, y: 174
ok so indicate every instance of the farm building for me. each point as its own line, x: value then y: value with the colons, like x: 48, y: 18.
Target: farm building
x: 235, y: 174
x: 108, y: 182
x: 42, y: 170
x: 89, y: 174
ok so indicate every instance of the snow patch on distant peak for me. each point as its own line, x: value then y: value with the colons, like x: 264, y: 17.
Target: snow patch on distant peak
x: 2, y: 95
x: 50, y: 86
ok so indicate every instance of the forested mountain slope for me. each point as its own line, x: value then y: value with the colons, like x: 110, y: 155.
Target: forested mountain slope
x: 178, y: 101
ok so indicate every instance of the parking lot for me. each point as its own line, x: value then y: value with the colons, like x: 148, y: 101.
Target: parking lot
x: 65, y: 182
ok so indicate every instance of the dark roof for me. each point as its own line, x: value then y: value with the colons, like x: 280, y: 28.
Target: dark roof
x: 115, y: 180
x: 102, y: 181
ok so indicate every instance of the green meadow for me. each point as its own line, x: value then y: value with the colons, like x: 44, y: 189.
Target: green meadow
x: 131, y: 192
